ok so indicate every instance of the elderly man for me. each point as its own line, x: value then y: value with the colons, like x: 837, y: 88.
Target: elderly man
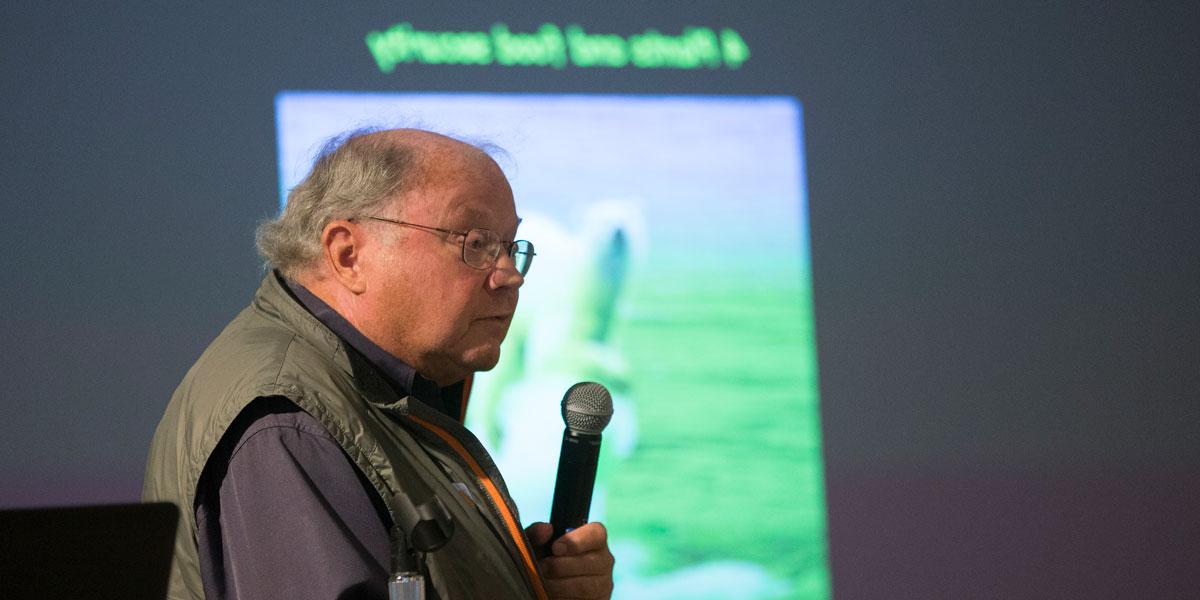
x: 335, y: 400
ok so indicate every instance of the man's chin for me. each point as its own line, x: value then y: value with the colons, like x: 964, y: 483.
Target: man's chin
x: 451, y: 368
x: 482, y: 359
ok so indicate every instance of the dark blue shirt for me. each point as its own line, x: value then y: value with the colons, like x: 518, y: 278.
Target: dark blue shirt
x: 282, y: 511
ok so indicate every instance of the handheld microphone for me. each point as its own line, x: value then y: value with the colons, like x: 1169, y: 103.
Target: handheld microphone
x: 586, y: 410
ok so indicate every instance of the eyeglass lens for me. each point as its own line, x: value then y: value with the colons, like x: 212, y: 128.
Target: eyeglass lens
x: 481, y: 248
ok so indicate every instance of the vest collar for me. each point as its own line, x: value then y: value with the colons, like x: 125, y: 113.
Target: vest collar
x: 274, y: 301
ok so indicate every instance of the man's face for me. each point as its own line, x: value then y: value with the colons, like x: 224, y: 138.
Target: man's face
x: 428, y: 307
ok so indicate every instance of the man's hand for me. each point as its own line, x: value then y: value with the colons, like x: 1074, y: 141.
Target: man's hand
x: 579, y: 564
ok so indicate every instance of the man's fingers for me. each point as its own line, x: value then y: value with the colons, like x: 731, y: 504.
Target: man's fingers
x: 592, y: 536
x: 539, y: 533
x: 596, y: 562
x: 581, y: 566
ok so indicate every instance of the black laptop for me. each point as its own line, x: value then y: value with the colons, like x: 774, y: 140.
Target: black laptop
x: 117, y: 551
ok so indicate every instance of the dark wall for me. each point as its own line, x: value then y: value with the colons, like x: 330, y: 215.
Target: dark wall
x: 1004, y: 239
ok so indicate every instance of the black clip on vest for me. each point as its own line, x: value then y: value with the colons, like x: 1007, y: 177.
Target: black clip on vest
x: 421, y: 529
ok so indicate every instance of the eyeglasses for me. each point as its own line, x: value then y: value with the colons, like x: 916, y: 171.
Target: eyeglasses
x: 481, y: 247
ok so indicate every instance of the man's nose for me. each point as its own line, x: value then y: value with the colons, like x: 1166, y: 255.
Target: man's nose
x: 505, y: 274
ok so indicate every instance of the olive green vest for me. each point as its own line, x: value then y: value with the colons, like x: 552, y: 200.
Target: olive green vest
x: 276, y: 348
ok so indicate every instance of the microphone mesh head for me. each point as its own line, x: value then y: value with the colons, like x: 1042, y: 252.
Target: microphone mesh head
x: 587, y: 407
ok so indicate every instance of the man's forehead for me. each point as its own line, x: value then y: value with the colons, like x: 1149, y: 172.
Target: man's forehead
x: 459, y: 184
x: 469, y: 215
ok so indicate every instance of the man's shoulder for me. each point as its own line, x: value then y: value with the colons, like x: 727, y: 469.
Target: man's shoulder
x: 255, y: 356
x: 244, y: 351
x: 253, y: 350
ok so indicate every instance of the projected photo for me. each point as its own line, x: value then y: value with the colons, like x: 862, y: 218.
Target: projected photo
x: 672, y: 267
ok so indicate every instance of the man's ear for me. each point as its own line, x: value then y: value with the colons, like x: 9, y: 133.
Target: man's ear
x: 342, y: 245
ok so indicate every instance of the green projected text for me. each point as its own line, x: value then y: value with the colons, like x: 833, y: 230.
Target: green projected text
x: 558, y: 47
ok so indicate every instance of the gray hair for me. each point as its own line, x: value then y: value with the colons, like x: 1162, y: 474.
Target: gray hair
x: 355, y: 175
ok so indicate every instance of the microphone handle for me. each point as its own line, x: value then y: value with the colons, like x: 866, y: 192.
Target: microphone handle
x: 576, y: 477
